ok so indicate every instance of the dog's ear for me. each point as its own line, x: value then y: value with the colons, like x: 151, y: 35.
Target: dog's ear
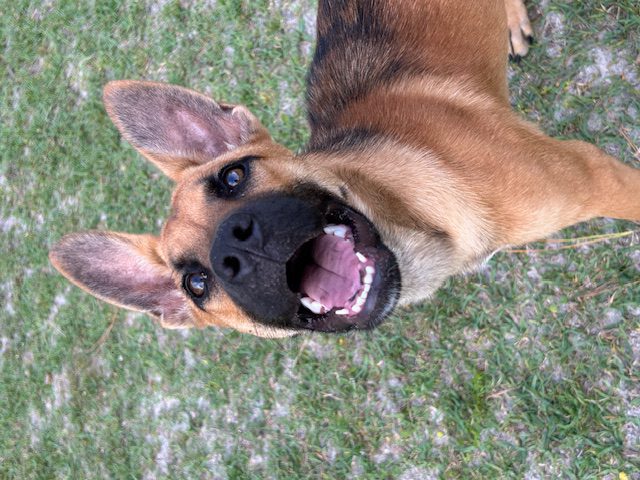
x: 177, y: 128
x: 124, y: 270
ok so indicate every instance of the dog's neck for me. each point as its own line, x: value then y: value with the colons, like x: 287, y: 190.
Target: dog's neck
x: 438, y: 217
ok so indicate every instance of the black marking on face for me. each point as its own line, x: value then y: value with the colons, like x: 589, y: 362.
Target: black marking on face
x: 250, y: 250
x: 259, y: 257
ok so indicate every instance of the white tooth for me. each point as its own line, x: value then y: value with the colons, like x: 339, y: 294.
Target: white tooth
x: 367, y: 287
x: 364, y: 295
x: 317, y: 307
x: 344, y: 311
x: 313, y: 305
x: 361, y: 257
x: 360, y: 302
x: 370, y: 270
x: 356, y: 308
x: 307, y: 302
x: 337, y: 230
x: 368, y: 279
x: 329, y: 229
x: 341, y: 231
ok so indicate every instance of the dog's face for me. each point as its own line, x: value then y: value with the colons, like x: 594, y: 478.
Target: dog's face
x: 257, y: 240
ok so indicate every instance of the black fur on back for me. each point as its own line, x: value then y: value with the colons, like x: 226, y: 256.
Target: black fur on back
x: 356, y: 51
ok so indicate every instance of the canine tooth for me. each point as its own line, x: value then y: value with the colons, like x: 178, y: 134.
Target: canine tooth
x: 343, y: 311
x: 361, y: 257
x: 367, y: 287
x: 364, y: 295
x: 368, y: 279
x: 329, y: 229
x: 313, y: 305
x: 307, y: 302
x: 356, y: 308
x: 370, y: 270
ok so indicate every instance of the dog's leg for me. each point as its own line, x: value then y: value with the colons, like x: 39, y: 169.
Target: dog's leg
x: 549, y: 184
x: 520, y: 31
x: 617, y: 189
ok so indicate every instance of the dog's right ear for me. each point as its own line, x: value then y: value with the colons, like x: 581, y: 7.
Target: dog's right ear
x: 176, y: 128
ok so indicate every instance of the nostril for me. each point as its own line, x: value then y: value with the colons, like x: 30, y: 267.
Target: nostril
x: 243, y: 232
x: 231, y: 266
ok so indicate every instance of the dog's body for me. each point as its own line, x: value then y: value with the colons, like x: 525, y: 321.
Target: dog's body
x: 416, y: 160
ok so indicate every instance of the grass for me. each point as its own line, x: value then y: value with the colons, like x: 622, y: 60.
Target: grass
x: 526, y: 369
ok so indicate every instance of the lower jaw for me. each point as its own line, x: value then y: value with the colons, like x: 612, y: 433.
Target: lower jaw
x: 356, y: 304
x: 373, y: 313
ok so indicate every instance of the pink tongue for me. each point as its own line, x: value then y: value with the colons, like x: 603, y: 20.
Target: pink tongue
x: 335, y: 276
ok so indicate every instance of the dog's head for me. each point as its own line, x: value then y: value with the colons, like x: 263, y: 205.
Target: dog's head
x: 258, y: 239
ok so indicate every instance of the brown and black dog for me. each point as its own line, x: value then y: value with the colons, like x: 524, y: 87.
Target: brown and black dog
x: 417, y: 169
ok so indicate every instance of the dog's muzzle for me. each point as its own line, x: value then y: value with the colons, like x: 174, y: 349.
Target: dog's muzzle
x: 305, y: 262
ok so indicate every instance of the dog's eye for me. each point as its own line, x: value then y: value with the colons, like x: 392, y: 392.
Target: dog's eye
x: 232, y: 177
x: 196, y: 284
x: 232, y: 180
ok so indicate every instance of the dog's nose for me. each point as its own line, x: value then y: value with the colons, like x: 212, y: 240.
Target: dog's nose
x: 241, y: 236
x: 251, y: 248
x: 244, y: 230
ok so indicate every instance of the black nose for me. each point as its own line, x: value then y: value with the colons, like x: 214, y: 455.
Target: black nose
x: 251, y: 248
x: 242, y: 239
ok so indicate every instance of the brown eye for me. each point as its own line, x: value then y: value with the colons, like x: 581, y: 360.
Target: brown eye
x: 195, y: 284
x: 233, y: 176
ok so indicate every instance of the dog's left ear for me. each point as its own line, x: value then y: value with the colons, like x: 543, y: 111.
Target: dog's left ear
x: 176, y: 128
x: 125, y: 270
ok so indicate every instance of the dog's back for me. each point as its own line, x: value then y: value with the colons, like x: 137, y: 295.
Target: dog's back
x: 365, y: 46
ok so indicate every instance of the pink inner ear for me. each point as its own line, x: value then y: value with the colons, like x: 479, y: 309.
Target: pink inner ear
x: 194, y: 127
x: 190, y: 133
x: 122, y: 269
x: 174, y: 127
x: 150, y: 285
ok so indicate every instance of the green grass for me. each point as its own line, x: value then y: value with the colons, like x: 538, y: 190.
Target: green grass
x: 526, y: 369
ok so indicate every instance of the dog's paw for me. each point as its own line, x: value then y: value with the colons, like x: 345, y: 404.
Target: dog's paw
x: 520, y: 31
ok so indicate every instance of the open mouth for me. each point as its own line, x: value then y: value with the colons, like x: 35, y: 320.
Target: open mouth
x: 344, y: 277
x: 335, y: 276
x: 305, y: 262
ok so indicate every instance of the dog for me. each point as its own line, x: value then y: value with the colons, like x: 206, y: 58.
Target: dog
x: 416, y: 169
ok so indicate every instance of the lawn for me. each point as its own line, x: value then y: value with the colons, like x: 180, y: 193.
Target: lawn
x: 529, y: 368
